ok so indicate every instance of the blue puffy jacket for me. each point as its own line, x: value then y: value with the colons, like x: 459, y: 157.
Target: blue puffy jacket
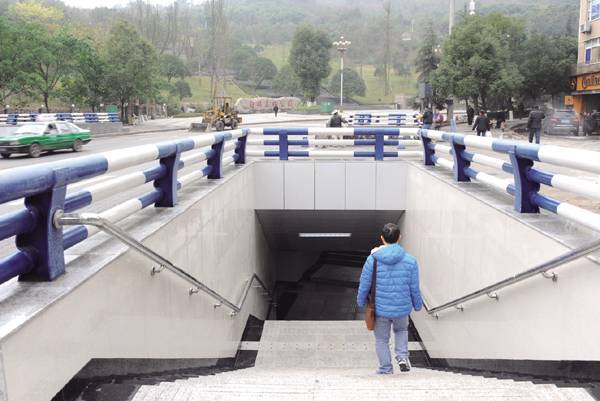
x: 397, y: 282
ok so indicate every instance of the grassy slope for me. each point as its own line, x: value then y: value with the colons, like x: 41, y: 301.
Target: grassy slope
x: 375, y: 87
x: 278, y: 54
x: 400, y: 85
x: 201, y: 90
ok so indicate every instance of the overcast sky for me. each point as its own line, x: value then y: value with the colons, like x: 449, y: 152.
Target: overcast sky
x: 107, y: 3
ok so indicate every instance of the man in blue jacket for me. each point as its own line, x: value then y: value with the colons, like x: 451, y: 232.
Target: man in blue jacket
x: 397, y: 293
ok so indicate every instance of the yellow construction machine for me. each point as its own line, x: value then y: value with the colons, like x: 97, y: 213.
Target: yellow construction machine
x: 221, y: 115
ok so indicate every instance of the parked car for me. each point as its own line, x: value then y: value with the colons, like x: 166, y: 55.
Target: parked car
x: 35, y: 138
x: 563, y: 122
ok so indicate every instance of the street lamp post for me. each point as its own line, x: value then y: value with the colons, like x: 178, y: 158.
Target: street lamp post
x: 342, y: 45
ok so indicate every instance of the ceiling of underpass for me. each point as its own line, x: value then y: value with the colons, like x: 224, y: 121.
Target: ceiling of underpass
x: 281, y: 228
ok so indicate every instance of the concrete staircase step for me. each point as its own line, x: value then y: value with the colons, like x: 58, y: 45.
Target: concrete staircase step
x: 331, y: 361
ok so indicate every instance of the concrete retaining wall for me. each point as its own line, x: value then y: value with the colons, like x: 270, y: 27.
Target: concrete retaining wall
x: 466, y: 237
x: 108, y: 305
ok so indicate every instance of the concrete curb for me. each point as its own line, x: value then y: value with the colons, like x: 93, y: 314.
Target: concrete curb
x: 158, y: 130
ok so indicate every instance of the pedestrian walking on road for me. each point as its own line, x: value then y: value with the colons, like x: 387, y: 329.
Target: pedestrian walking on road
x: 482, y: 124
x: 470, y: 115
x: 336, y: 120
x: 439, y: 120
x: 427, y: 118
x: 394, y: 275
x: 588, y: 124
x: 596, y: 120
x: 534, y: 124
x: 275, y: 110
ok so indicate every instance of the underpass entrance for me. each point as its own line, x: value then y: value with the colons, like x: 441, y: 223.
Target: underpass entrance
x: 318, y: 259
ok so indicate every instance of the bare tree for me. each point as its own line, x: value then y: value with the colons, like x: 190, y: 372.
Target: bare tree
x: 217, y: 28
x: 153, y: 24
x: 387, y: 7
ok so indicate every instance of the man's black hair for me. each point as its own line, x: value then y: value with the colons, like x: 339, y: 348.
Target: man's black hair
x: 482, y: 112
x: 390, y: 233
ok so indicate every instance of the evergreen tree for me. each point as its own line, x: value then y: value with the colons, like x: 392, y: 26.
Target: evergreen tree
x: 309, y: 58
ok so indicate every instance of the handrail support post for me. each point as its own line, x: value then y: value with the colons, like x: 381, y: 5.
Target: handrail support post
x: 550, y: 276
x: 283, y: 145
x: 524, y: 187
x: 240, y: 150
x: 45, y: 242
x: 379, y: 144
x: 168, y: 184
x: 460, y: 164
x: 428, y: 153
x: 216, y: 160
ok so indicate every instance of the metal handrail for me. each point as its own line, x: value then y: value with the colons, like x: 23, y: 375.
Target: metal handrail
x: 490, y: 290
x: 91, y: 219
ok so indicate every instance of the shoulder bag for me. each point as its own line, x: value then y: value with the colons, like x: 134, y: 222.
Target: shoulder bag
x: 370, y: 309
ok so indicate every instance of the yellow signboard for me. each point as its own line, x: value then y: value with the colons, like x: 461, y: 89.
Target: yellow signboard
x: 588, y: 82
x: 569, y: 101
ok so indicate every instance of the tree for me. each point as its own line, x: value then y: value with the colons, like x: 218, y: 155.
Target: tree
x: 55, y: 55
x: 182, y: 89
x: 353, y: 83
x: 37, y: 13
x: 48, y: 46
x: 546, y: 65
x: 309, y: 58
x: 428, y: 56
x: 218, y: 35
x: 478, y: 63
x: 132, y: 66
x: 88, y: 83
x: 258, y: 69
x: 239, y: 58
x: 287, y: 82
x: 16, y: 60
x: 172, y: 66
x: 387, y: 7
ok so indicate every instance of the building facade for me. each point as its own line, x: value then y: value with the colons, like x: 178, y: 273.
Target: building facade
x: 585, y: 84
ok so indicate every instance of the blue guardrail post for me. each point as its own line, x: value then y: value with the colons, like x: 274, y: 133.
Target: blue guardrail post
x: 216, y: 161
x: 283, y: 145
x: 524, y: 188
x: 460, y: 164
x: 168, y: 184
x: 427, y: 152
x: 379, y: 143
x: 45, y: 242
x: 241, y: 148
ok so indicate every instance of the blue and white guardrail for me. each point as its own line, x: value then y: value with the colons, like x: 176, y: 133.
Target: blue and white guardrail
x: 44, y: 188
x: 389, y: 119
x: 525, y: 178
x: 20, y: 118
x: 283, y: 141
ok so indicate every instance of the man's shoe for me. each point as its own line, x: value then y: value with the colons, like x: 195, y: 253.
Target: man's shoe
x: 386, y: 372
x: 404, y: 364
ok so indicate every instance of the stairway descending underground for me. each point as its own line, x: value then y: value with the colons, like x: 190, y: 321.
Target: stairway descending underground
x: 335, y: 360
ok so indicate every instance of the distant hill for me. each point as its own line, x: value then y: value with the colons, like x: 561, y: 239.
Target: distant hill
x: 545, y: 16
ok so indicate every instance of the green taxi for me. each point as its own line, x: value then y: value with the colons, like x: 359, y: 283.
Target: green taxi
x: 35, y: 138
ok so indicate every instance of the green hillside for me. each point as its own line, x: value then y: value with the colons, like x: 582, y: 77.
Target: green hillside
x: 200, y: 87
